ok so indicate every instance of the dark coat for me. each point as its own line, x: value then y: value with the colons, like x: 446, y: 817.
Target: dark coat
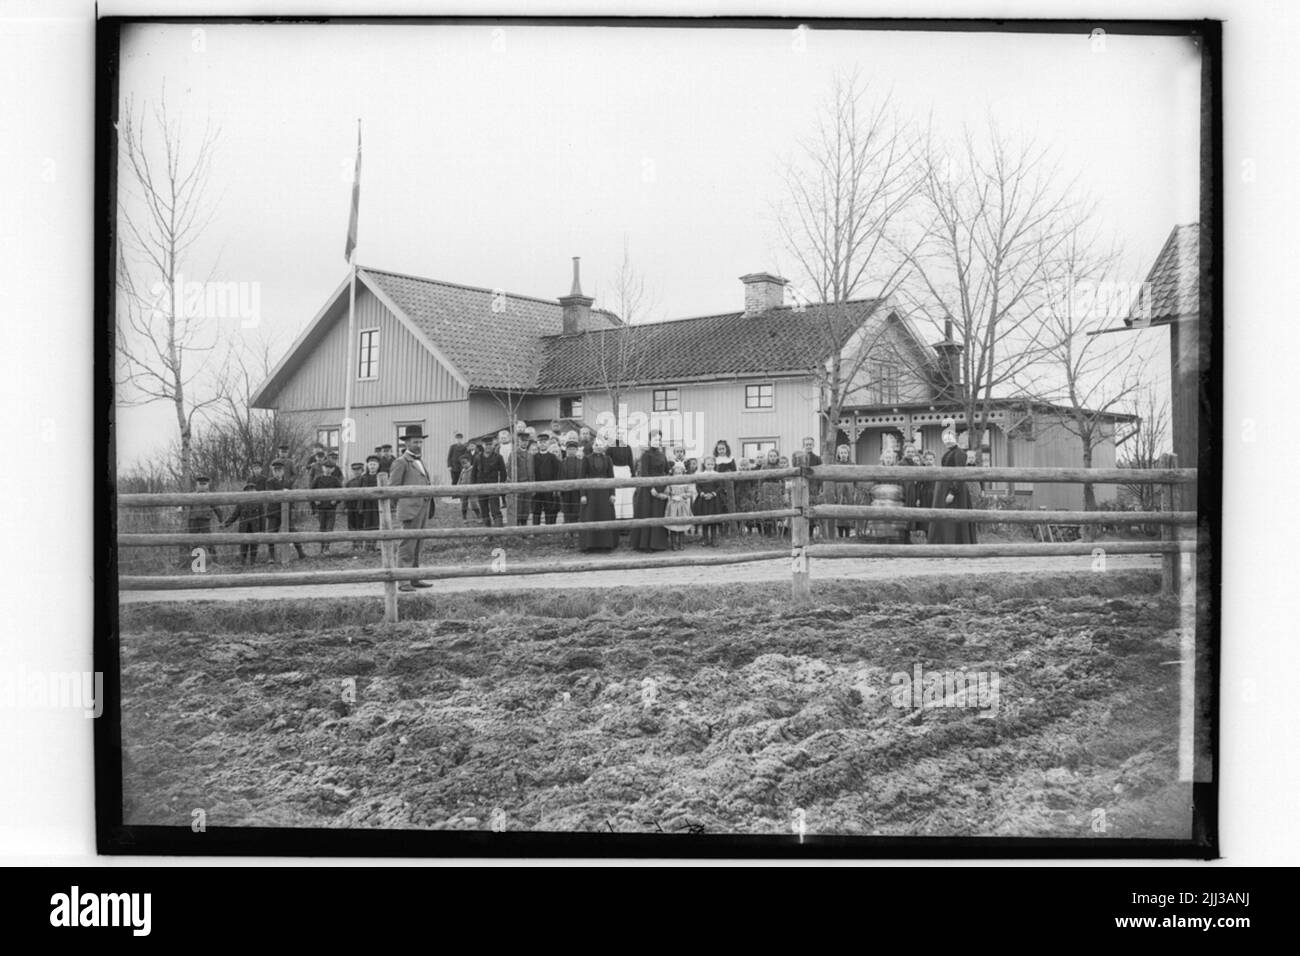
x: 249, y: 517
x: 653, y: 464
x: 326, y: 478
x: 491, y: 470
x: 952, y: 532
x: 370, y: 507
x: 599, y: 506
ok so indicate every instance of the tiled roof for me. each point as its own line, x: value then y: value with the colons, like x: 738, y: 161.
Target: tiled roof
x: 493, y: 347
x: 1171, y: 290
x: 778, y: 340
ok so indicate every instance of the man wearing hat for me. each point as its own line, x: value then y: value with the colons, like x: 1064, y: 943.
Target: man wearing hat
x: 290, y: 471
x: 328, y: 476
x: 249, y: 518
x: 198, y: 520
x: 386, y: 458
x: 453, y: 457
x: 352, y: 507
x: 278, y: 482
x: 490, y: 470
x: 571, y: 468
x: 368, y: 510
x: 412, y: 513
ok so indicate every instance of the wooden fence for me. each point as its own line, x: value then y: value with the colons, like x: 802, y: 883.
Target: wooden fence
x: 1174, y: 543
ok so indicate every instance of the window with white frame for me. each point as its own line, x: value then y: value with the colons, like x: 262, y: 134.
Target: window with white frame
x: 368, y: 354
x: 665, y: 400
x: 328, y: 435
x: 758, y: 396
x: 571, y: 407
x: 756, y: 447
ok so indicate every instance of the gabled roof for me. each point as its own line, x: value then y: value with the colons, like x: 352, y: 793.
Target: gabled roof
x: 487, y: 338
x: 1172, y: 288
x: 732, y: 344
x: 489, y: 335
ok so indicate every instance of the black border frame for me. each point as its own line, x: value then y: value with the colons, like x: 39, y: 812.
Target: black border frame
x: 114, y: 837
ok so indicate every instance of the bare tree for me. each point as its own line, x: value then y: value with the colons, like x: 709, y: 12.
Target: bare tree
x: 1095, y: 374
x: 165, y: 344
x: 997, y: 211
x: 842, y: 222
x: 616, y: 356
x: 1145, y: 444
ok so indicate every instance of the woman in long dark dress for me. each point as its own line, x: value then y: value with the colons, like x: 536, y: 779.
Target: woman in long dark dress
x: 951, y: 494
x: 651, y: 502
x: 598, y: 503
x: 726, y: 493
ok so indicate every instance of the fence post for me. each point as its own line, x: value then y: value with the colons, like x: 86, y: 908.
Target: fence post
x: 800, y: 589
x: 286, y: 509
x: 386, y: 549
x: 1169, y: 563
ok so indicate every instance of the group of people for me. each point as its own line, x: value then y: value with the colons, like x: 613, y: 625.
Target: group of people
x: 705, y: 491
x: 533, y: 455
x: 691, y: 505
x: 320, y: 470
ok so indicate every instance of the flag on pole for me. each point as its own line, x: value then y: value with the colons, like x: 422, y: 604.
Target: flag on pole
x: 356, y: 202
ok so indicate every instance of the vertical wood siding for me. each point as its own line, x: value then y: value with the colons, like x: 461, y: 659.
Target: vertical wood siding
x: 710, y: 412
x: 375, y: 426
x: 407, y: 370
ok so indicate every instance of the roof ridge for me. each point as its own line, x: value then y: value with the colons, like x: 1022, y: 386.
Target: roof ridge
x: 462, y: 285
x: 875, y: 300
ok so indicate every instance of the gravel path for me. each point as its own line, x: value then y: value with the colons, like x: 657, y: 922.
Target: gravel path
x: 866, y: 569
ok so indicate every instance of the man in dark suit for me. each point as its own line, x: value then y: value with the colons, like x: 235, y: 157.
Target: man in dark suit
x: 491, y: 470
x: 453, y: 457
x: 412, y: 513
x: 278, y: 482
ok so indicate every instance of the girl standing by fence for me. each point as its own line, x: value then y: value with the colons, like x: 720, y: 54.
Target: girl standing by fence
x: 724, y: 464
x: 679, y: 506
x: 708, y: 501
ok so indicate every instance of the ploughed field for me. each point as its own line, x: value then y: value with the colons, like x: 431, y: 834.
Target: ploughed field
x: 719, y: 710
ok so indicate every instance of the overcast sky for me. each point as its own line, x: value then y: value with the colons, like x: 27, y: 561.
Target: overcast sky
x: 494, y: 154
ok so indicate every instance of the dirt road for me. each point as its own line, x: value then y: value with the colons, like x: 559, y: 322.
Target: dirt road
x: 865, y: 569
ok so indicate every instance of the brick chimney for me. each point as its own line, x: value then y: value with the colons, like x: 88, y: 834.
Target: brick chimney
x: 763, y: 291
x: 950, y: 362
x: 576, y: 306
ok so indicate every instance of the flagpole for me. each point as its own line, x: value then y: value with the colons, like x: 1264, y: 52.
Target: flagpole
x: 348, y: 432
x: 348, y: 427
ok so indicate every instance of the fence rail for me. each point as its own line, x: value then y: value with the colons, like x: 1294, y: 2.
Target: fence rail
x: 803, y: 511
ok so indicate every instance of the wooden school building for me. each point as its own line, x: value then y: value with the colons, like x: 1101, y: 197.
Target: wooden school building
x: 453, y: 358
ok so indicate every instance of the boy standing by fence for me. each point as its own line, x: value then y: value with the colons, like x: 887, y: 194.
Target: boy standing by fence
x: 278, y: 482
x: 198, y: 520
x: 250, y: 519
x: 329, y: 476
x: 352, y: 507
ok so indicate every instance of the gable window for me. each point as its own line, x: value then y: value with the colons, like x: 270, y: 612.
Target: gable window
x: 758, y: 396
x: 884, y: 382
x: 665, y: 400
x: 368, y: 354
x: 402, y: 429
x: 571, y: 407
x: 328, y: 435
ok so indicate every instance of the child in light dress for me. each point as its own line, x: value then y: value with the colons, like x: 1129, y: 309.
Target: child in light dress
x: 679, y: 506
